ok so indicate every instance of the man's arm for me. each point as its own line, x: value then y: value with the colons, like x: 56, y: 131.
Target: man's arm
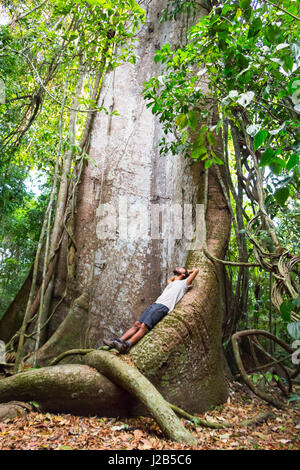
x: 192, y: 274
x: 171, y: 279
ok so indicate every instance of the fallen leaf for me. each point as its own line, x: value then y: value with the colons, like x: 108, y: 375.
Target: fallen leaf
x: 225, y: 436
x: 138, y: 434
x: 146, y: 444
x: 261, y: 435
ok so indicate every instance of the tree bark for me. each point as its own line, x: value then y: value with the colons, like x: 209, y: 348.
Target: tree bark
x: 182, y: 355
x: 68, y: 388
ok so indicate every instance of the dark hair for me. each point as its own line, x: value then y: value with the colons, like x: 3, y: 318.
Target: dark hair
x: 177, y: 273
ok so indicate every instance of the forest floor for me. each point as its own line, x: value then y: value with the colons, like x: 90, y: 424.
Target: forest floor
x: 36, y: 430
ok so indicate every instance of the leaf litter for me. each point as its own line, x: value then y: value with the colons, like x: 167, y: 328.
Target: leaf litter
x: 49, y: 431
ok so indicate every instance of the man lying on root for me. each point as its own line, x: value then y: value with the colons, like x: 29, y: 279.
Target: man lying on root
x: 175, y: 290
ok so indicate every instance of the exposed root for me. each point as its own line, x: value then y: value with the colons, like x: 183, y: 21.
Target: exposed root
x: 259, y: 418
x: 13, y: 409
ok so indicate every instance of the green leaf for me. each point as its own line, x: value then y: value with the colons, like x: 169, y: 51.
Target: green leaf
x: 192, y: 119
x: 255, y: 378
x: 198, y: 151
x: 259, y: 138
x: 182, y: 121
x: 293, y: 161
x: 211, y: 138
x: 293, y: 86
x: 294, y: 329
x: 34, y: 404
x: 219, y: 125
x: 225, y: 10
x: 272, y: 33
x: 244, y: 4
x: 267, y: 157
x: 246, y: 8
x: 184, y: 137
x: 216, y: 159
x: 288, y: 63
x: 208, y: 164
x: 269, y: 376
x: 238, y: 13
x: 281, y: 195
x: 285, y: 309
x: 196, y: 421
x: 255, y: 27
x: 157, y: 57
x: 200, y: 140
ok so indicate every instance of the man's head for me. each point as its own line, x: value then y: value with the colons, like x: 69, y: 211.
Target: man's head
x: 181, y: 273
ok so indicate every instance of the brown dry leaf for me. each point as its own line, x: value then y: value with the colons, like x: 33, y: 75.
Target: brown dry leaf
x: 261, y: 435
x: 60, y: 419
x: 145, y: 444
x: 138, y: 434
x: 126, y: 437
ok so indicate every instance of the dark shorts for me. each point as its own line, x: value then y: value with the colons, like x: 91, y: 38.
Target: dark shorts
x: 153, y: 315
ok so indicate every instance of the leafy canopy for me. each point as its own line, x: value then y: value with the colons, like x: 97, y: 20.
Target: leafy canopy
x: 249, y: 57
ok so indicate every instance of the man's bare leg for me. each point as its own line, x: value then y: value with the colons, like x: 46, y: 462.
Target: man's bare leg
x: 131, y: 331
x: 128, y: 339
x: 139, y: 334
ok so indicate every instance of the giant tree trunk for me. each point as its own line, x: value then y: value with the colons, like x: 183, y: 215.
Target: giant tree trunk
x: 182, y: 355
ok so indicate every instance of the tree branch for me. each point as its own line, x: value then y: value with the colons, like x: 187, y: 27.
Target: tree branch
x: 282, y: 9
x: 26, y: 14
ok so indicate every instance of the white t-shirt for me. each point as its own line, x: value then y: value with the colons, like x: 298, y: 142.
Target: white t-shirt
x: 172, y: 294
